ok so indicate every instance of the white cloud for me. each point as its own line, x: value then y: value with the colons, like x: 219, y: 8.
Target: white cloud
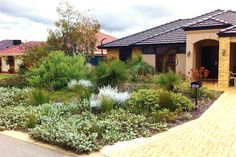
x: 27, y: 19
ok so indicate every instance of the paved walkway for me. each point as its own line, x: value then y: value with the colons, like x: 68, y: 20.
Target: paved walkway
x: 211, y: 135
x: 12, y: 147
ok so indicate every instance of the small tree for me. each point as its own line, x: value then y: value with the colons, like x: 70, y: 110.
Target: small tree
x: 75, y: 32
x: 34, y: 53
x: 56, y: 70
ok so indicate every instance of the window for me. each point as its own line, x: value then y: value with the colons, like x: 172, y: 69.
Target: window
x: 125, y: 54
x: 166, y: 61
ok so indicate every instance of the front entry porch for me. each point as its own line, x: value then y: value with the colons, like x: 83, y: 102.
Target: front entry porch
x: 207, y: 56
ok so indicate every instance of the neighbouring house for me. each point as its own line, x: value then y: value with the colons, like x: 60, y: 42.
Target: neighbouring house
x: 10, y: 54
x: 102, y: 38
x: 207, y: 40
x: 12, y: 50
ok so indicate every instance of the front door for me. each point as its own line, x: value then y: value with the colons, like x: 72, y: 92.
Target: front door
x: 210, y: 58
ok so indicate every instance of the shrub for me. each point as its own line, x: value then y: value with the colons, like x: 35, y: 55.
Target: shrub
x: 63, y: 95
x: 71, y: 85
x: 71, y: 133
x: 118, y: 98
x: 139, y: 69
x: 83, y: 83
x: 56, y: 70
x: 166, y: 100
x: 124, y: 128
x: 39, y: 96
x: 173, y: 101
x: 95, y: 102
x: 34, y: 53
x: 14, y: 96
x: 149, y: 100
x: 83, y: 87
x: 200, y: 74
x: 168, y: 80
x: 12, y: 117
x: 74, y: 127
x: 203, y: 92
x: 112, y: 73
x: 164, y: 115
x: 17, y: 81
x: 182, y: 102
x: 143, y: 101
x: 107, y: 104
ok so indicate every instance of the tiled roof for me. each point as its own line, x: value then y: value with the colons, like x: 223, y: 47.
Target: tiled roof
x: 229, y: 16
x: 5, y: 44
x: 19, y: 49
x: 175, y: 36
x: 173, y: 32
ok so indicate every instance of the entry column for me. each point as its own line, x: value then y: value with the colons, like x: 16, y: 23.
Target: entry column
x: 224, y: 61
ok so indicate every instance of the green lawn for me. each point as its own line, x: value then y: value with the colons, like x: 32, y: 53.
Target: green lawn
x: 3, y: 76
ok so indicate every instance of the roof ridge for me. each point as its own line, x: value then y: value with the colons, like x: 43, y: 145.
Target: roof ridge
x: 220, y: 20
x: 229, y: 28
x: 204, y: 19
x: 175, y: 28
x: 207, y: 13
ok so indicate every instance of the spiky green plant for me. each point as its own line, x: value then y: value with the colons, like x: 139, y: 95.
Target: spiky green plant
x: 168, y: 80
x: 112, y: 73
x: 140, y: 69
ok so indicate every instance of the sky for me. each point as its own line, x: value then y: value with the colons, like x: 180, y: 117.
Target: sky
x: 30, y: 19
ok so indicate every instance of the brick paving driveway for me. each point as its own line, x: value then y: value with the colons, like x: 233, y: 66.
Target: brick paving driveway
x: 211, y: 135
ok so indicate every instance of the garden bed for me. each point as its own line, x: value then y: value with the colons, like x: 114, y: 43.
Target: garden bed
x: 203, y: 105
x: 83, y: 108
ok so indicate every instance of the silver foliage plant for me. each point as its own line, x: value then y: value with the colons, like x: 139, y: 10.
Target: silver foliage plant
x: 107, y: 91
x: 14, y: 96
x: 83, y: 83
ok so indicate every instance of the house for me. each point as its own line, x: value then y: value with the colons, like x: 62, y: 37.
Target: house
x: 10, y: 54
x: 207, y: 40
x: 102, y: 38
x: 12, y: 50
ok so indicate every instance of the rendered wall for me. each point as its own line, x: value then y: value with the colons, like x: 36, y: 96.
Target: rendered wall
x: 181, y: 64
x: 150, y: 59
x: 136, y: 52
x: 5, y: 67
x: 113, y: 53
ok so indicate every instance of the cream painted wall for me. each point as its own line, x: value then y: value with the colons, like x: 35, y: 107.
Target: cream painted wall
x: 193, y: 37
x: 18, y: 61
x: 181, y: 66
x: 150, y: 59
x: 5, y: 67
x: 113, y: 53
